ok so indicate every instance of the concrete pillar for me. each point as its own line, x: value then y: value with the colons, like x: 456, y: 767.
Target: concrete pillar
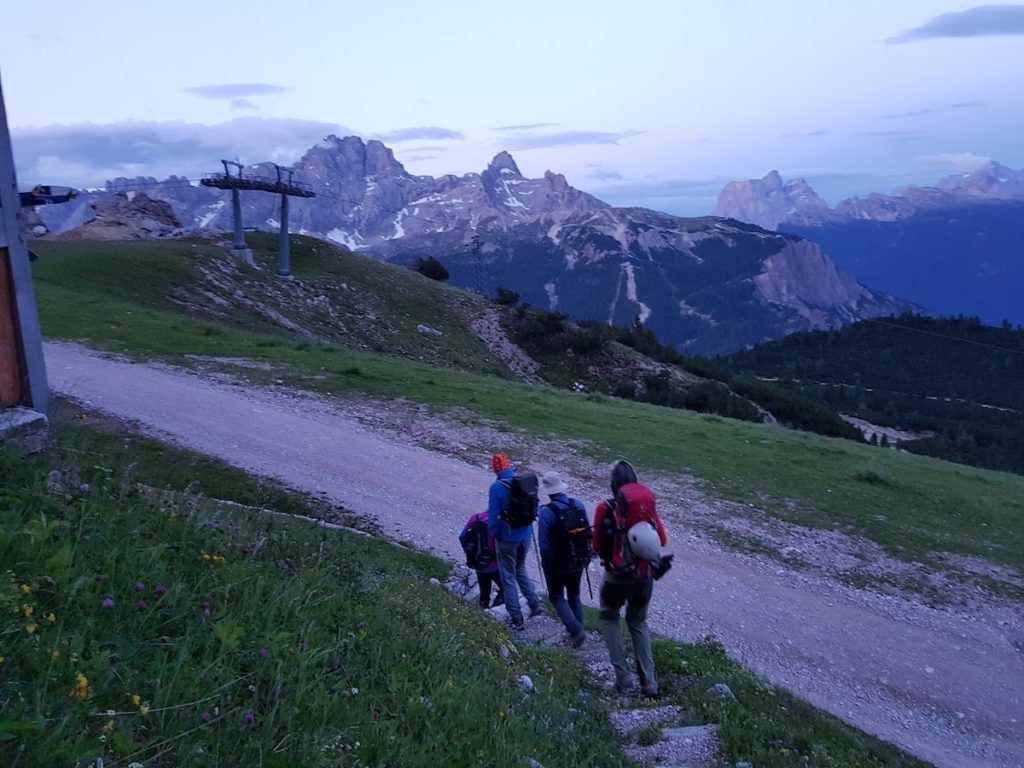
x: 284, y: 266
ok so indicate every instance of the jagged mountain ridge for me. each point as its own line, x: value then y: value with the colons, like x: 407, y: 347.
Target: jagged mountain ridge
x: 954, y: 247
x: 771, y: 202
x: 702, y: 284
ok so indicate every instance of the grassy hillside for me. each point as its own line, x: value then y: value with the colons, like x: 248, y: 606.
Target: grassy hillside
x: 147, y: 621
x: 954, y: 378
x: 911, y: 505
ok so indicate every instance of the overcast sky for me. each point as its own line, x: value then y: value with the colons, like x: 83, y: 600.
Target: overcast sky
x: 648, y: 102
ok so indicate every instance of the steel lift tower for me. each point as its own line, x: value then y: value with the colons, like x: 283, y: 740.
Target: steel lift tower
x: 282, y: 185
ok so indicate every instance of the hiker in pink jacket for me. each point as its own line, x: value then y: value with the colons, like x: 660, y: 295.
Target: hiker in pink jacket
x: 481, y: 555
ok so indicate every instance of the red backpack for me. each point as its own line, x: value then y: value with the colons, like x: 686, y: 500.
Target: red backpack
x: 634, y: 503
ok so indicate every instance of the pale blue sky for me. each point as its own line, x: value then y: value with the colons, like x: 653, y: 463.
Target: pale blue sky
x: 649, y: 103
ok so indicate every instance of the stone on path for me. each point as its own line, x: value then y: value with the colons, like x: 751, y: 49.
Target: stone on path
x: 720, y: 691
x: 626, y: 721
x: 695, y: 746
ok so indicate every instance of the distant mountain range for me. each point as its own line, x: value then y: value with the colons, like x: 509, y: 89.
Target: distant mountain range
x: 704, y: 285
x: 955, y: 248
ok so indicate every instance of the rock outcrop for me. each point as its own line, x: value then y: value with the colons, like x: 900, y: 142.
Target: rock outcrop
x: 125, y: 216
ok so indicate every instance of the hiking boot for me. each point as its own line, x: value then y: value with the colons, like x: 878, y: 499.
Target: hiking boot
x: 623, y: 682
x: 649, y: 691
x: 517, y: 625
x: 578, y: 639
x: 537, y: 610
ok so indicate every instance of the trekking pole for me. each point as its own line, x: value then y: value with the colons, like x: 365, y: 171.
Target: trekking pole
x: 536, y: 551
x: 589, y: 588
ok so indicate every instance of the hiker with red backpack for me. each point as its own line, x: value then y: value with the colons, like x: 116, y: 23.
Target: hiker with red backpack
x: 564, y: 542
x: 511, y: 510
x: 628, y: 536
x: 482, y: 556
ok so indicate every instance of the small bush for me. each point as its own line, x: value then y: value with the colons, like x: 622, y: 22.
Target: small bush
x: 506, y: 297
x: 432, y: 268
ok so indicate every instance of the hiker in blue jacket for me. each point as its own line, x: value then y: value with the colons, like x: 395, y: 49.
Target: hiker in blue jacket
x: 564, y: 540
x: 513, y: 545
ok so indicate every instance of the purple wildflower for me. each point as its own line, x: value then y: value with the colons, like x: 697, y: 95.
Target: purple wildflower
x: 143, y: 605
x: 250, y: 718
x: 98, y: 577
x: 108, y: 602
x: 207, y: 717
x: 264, y: 653
x: 160, y: 589
x: 140, y: 587
x: 302, y: 646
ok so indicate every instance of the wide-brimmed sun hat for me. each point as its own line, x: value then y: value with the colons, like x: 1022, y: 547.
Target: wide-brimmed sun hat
x: 552, y: 483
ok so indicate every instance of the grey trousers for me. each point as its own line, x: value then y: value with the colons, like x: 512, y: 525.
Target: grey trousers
x: 636, y: 596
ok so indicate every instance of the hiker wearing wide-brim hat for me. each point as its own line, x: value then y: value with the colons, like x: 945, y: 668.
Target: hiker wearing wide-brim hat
x: 564, y: 534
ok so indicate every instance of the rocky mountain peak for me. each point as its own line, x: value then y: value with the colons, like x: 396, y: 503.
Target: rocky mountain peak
x: 503, y: 162
x: 768, y: 201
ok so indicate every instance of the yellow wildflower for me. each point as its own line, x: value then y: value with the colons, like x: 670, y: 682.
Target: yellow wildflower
x: 136, y: 700
x: 29, y: 610
x: 26, y: 589
x: 81, y: 689
x: 55, y: 655
x: 2, y: 659
x: 144, y: 710
x: 31, y: 629
x: 51, y: 617
x: 107, y: 728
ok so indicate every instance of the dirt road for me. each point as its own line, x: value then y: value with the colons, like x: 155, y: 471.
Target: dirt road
x: 945, y: 684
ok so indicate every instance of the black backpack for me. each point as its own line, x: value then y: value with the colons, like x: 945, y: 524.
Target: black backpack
x: 475, y: 545
x: 522, y: 501
x: 570, y: 537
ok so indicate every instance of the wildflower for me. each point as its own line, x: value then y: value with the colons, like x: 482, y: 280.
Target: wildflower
x: 29, y: 610
x: 144, y: 710
x: 108, y: 602
x: 303, y: 646
x: 26, y: 589
x: 31, y: 629
x: 250, y: 718
x: 140, y: 587
x: 108, y: 727
x: 207, y: 717
x: 55, y: 655
x: 136, y: 700
x: 2, y: 659
x: 98, y: 577
x: 143, y: 605
x: 51, y: 617
x: 81, y: 689
x: 264, y: 653
x: 160, y: 589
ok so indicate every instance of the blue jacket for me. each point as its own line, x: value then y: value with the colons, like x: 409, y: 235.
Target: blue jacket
x: 546, y: 520
x: 496, y: 504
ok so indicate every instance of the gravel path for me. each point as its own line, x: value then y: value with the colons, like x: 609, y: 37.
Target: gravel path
x: 946, y: 684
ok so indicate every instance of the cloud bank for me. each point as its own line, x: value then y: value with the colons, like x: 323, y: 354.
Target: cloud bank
x: 982, y: 21
x: 564, y: 138
x: 425, y: 132
x: 87, y: 154
x: 235, y: 90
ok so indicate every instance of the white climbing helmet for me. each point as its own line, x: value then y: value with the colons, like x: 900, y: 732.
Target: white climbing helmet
x: 644, y: 541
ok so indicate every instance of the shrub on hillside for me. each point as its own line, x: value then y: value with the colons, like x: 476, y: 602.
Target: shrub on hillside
x: 506, y: 297
x: 432, y: 268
